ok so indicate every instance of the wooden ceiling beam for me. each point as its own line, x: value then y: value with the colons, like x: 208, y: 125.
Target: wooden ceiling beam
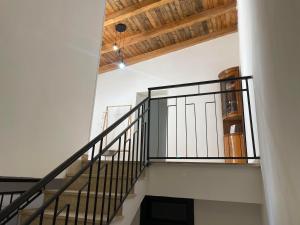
x: 134, y: 10
x: 171, y: 48
x: 199, y: 17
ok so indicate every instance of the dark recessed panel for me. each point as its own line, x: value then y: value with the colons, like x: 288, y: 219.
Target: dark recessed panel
x: 167, y: 211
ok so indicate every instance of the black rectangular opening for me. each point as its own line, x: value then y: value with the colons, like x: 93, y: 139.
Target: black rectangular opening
x: 167, y: 211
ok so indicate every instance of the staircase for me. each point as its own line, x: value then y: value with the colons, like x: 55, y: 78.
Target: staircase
x: 93, y: 191
x: 105, y: 205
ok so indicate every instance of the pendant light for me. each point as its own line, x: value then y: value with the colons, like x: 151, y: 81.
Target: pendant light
x: 119, y: 44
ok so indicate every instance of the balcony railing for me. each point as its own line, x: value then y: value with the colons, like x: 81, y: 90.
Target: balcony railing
x: 202, y: 121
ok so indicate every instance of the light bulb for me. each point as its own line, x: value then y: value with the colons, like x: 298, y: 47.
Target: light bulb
x: 122, y: 65
x: 115, y: 47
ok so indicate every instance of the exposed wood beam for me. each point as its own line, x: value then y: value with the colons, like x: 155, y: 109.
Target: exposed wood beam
x: 170, y: 48
x: 199, y: 17
x: 134, y: 10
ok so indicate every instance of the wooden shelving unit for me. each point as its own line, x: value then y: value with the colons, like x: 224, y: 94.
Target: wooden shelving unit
x: 233, y: 120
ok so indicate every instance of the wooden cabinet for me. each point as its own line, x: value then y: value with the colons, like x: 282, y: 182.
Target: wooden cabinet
x: 234, y: 146
x: 232, y: 114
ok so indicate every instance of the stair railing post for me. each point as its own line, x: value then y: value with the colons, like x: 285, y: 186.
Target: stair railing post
x: 148, y: 131
x: 250, y: 117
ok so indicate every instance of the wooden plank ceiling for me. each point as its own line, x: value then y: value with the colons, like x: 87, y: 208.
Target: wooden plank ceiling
x: 157, y: 27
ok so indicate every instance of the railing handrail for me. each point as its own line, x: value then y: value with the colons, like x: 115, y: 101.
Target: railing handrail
x: 38, y: 187
x: 199, y: 83
x: 11, y: 192
x: 19, y: 179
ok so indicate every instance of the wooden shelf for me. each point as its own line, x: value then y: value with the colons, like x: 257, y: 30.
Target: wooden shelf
x: 233, y: 116
x: 234, y: 143
x: 234, y: 134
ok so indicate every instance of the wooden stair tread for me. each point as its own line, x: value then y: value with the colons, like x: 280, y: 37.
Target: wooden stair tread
x: 94, y: 176
x: 112, y: 152
x: 50, y: 213
x: 84, y: 193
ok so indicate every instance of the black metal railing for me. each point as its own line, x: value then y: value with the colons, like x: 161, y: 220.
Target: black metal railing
x: 101, y: 184
x: 13, y: 187
x: 210, y: 120
x: 7, y: 197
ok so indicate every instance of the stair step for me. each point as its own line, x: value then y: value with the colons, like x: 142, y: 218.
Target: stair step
x: 112, y: 152
x: 132, y: 166
x: 60, y: 220
x: 83, y: 179
x: 71, y: 197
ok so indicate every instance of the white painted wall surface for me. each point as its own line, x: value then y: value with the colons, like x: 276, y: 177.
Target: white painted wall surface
x: 131, y: 205
x: 48, y: 69
x: 270, y: 50
x: 223, y: 194
x: 136, y: 219
x: 206, y: 181
x: 226, y: 213
x: 197, y: 63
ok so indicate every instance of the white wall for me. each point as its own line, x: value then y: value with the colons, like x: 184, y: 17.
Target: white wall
x: 206, y: 181
x: 270, y: 50
x: 197, y: 63
x: 223, y: 194
x: 226, y: 213
x: 130, y: 207
x: 48, y: 66
x: 136, y: 219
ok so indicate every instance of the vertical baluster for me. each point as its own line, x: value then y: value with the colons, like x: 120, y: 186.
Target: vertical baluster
x: 158, y: 116
x: 103, y: 195
x: 141, y: 148
x: 142, y: 137
x: 77, y: 207
x: 196, y: 135
x: 136, y: 156
x: 250, y: 118
x: 186, y: 140
x: 167, y: 136
x: 128, y: 163
x: 145, y: 136
x: 11, y: 198
x: 67, y: 207
x: 123, y: 162
x: 117, y: 175
x: 133, y: 163
x: 176, y: 128
x: 78, y: 203
x: 97, y: 182
x: 1, y: 201
x: 41, y: 218
x: 216, y: 118
x: 138, y: 142
x: 55, y: 211
x: 110, y: 187
x: 243, y: 121
x: 206, y: 128
x: 145, y: 139
x: 89, y: 187
x: 148, y: 133
x: 67, y: 214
